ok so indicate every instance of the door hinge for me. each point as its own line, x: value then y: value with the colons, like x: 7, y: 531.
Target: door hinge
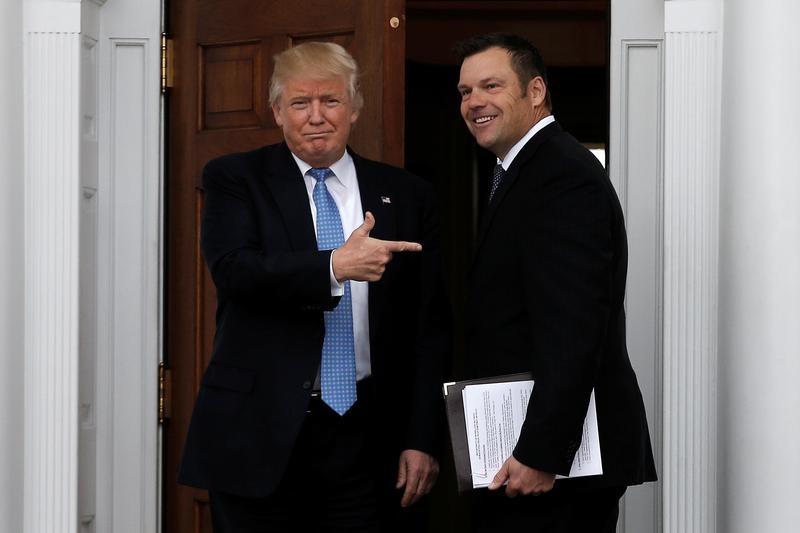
x: 166, y: 62
x: 164, y: 393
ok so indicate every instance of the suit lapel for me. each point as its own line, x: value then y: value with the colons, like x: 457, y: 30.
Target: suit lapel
x: 286, y: 184
x: 512, y: 174
x: 376, y: 197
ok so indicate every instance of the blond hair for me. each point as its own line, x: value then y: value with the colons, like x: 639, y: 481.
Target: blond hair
x: 319, y: 61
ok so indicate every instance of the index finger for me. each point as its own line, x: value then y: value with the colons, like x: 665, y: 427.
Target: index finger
x: 402, y: 246
x: 500, y: 478
x: 410, y: 494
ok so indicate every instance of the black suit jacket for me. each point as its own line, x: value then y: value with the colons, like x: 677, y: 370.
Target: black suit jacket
x: 272, y: 287
x: 546, y: 295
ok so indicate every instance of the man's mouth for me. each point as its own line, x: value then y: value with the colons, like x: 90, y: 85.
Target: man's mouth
x: 484, y: 119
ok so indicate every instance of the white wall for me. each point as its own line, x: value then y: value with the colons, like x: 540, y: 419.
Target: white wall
x: 759, y: 357
x: 11, y: 266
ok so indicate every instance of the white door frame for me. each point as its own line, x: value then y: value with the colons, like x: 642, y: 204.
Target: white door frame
x: 665, y: 101
x: 93, y: 241
x: 129, y: 262
x: 635, y: 166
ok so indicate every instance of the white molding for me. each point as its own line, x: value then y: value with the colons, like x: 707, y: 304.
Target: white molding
x: 629, y: 120
x: 693, y: 73
x: 129, y: 286
x: 693, y: 16
x: 53, y: 16
x: 52, y: 190
x: 87, y: 393
x: 12, y: 269
x: 637, y: 173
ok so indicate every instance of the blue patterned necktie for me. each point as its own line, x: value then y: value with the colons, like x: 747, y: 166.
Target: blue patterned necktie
x: 497, y: 178
x: 338, y: 369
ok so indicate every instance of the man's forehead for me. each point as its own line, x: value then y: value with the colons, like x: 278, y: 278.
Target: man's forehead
x: 484, y: 76
x: 491, y: 63
x: 307, y: 83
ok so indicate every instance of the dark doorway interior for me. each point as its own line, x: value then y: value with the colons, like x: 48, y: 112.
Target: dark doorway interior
x: 439, y: 147
x: 573, y: 38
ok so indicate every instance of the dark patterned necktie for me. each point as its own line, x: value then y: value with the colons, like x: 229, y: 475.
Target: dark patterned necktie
x: 497, y: 178
x: 338, y: 367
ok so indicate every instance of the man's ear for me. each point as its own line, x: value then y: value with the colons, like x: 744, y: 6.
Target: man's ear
x: 537, y: 91
x: 276, y: 111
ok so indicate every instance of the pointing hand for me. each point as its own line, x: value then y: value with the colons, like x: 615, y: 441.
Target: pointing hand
x: 363, y: 258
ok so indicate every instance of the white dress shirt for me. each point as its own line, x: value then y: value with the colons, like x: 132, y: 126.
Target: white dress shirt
x: 343, y: 186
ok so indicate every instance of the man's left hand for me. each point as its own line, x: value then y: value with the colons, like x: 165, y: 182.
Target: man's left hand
x: 522, y: 479
x: 417, y: 472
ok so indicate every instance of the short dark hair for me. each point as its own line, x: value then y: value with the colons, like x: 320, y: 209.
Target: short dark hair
x: 526, y: 60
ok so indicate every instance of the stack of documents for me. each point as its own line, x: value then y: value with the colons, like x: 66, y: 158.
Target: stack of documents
x: 485, y: 417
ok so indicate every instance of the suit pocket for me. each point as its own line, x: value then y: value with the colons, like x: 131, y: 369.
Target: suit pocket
x: 229, y: 378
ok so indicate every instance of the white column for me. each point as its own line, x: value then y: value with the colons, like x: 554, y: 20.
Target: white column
x: 692, y: 74
x: 12, y: 250
x: 759, y: 466
x: 52, y: 113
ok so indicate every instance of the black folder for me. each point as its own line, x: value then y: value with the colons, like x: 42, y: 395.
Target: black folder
x: 454, y: 402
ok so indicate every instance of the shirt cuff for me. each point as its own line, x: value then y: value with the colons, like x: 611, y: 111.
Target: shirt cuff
x: 337, y: 289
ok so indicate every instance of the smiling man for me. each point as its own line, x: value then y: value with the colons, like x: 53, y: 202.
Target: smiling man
x: 546, y: 295
x: 320, y: 408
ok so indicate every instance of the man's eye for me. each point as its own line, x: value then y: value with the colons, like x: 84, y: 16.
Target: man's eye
x: 299, y: 105
x: 491, y: 86
x: 332, y: 102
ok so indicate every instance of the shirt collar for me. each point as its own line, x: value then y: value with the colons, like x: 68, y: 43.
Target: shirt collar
x: 343, y: 169
x: 506, y: 162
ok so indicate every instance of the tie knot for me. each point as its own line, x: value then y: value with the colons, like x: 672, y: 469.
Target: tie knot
x: 320, y: 174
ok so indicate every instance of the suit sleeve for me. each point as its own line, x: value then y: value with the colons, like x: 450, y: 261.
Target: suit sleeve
x: 567, y: 266
x: 241, y: 264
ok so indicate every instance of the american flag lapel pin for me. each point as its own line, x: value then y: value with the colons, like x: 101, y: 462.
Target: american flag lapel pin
x: 386, y: 200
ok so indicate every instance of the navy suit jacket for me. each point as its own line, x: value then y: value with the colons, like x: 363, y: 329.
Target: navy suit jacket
x: 272, y: 287
x: 546, y: 295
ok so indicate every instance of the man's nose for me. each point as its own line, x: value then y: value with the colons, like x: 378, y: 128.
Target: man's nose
x: 315, y: 113
x: 476, y: 99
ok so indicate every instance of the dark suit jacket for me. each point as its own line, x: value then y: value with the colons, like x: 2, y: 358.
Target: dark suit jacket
x: 272, y: 287
x: 546, y: 295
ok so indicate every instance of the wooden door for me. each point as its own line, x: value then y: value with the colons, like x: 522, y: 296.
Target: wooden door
x: 218, y: 104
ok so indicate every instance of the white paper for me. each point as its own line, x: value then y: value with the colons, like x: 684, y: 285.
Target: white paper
x: 494, y: 414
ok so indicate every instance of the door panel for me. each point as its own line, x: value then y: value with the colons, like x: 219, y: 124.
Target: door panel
x: 217, y: 105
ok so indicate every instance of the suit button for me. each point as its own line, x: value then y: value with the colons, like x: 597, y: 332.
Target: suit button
x: 306, y: 385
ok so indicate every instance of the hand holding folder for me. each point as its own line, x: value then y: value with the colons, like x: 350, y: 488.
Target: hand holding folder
x: 485, y: 417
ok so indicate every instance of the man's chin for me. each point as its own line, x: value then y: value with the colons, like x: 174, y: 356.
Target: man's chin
x: 485, y: 142
x: 324, y: 155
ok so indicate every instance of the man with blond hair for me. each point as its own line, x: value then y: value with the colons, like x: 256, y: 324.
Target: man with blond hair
x: 320, y: 408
